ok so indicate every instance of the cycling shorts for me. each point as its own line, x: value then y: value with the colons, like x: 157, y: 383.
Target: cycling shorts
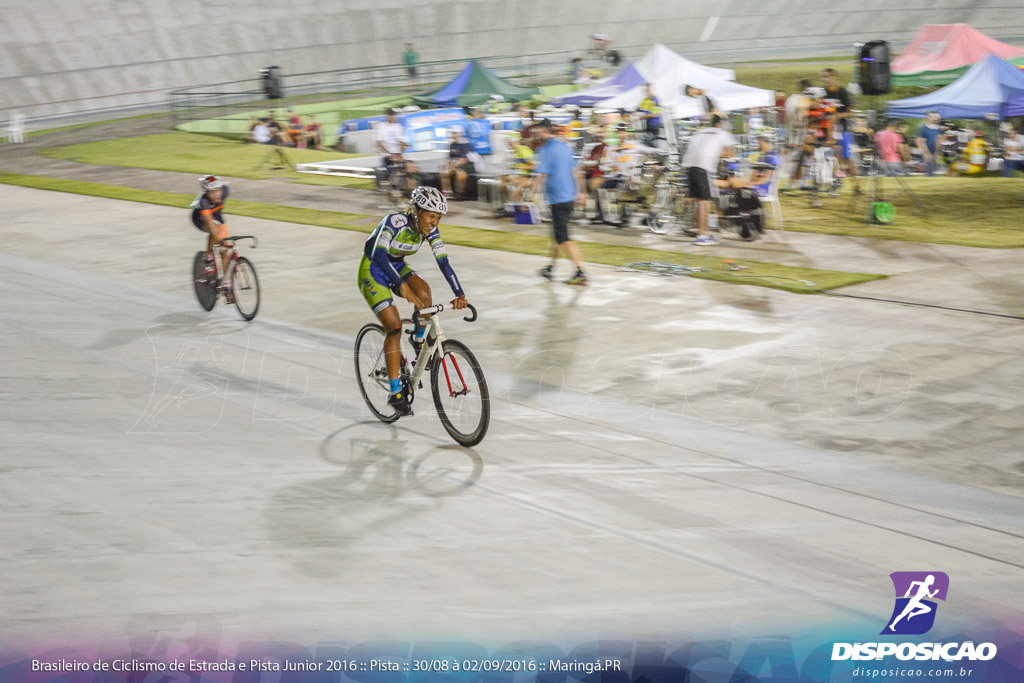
x: 373, y: 284
x: 200, y: 223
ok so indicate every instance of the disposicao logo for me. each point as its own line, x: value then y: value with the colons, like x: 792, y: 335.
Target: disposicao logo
x: 916, y: 592
x: 913, y: 615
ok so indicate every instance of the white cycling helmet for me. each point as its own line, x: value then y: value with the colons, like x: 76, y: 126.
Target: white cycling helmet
x: 210, y: 182
x: 429, y: 199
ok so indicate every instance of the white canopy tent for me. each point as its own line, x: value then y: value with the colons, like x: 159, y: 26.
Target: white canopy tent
x: 668, y: 73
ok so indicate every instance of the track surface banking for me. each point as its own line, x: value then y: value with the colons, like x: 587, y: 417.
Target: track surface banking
x: 665, y: 456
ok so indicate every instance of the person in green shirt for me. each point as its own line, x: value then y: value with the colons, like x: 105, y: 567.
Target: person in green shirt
x: 410, y: 57
x: 650, y: 112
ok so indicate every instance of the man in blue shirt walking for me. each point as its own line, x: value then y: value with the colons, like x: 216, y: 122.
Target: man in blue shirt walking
x: 928, y: 141
x: 556, y: 168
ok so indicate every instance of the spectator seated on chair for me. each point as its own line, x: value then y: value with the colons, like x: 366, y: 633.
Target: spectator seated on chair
x: 1013, y: 152
x: 253, y: 122
x: 312, y: 133
x: 295, y: 131
x: 526, y: 122
x: 522, y: 168
x: 262, y: 135
x: 594, y: 151
x: 621, y: 163
x: 764, y: 164
x: 278, y: 134
x: 458, y: 168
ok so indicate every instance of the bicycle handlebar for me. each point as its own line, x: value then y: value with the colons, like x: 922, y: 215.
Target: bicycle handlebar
x: 437, y: 308
x: 255, y: 240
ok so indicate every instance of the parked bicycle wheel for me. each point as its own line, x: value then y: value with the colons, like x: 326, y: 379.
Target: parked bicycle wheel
x: 372, y: 372
x: 246, y: 288
x: 205, y: 286
x: 460, y: 393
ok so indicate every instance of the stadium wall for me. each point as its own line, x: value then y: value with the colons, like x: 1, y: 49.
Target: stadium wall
x: 66, y: 57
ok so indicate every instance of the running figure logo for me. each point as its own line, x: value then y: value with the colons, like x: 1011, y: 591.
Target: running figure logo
x: 914, y: 612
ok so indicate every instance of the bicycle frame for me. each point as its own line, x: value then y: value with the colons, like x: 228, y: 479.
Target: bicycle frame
x: 431, y: 345
x: 218, y: 246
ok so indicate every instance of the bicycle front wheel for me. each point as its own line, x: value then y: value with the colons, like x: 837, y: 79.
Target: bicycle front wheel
x: 372, y: 372
x: 460, y: 393
x: 246, y: 288
x: 206, y: 287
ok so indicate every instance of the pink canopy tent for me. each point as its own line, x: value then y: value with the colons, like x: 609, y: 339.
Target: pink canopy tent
x: 941, y: 53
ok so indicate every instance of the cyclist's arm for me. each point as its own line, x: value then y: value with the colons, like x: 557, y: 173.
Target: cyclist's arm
x: 211, y: 225
x: 441, y: 255
x: 381, y: 259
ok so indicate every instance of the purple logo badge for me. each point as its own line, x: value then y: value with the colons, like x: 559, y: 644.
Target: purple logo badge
x: 916, y: 592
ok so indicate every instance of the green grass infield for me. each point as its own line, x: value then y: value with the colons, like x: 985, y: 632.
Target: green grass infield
x: 196, y: 153
x: 799, y: 280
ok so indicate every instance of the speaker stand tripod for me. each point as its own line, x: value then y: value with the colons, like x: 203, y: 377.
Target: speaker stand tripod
x: 276, y: 160
x: 873, y: 194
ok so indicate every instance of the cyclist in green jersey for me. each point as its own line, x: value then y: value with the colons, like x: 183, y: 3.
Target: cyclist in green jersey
x: 383, y: 273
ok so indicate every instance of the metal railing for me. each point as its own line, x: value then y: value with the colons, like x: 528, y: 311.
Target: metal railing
x: 223, y: 99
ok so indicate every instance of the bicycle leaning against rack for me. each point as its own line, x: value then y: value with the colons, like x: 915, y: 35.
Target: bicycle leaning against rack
x: 208, y: 277
x: 457, y: 381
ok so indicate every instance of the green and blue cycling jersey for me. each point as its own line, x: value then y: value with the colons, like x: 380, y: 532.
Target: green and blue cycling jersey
x: 383, y: 269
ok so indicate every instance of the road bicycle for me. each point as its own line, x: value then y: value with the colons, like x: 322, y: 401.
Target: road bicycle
x: 245, y: 286
x: 457, y: 382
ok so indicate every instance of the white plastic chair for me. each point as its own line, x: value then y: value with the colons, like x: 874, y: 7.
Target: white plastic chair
x: 772, y: 198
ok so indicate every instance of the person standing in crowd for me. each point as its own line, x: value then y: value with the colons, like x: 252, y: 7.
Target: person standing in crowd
x: 708, y: 106
x: 650, y: 112
x: 892, y: 148
x: 927, y: 141
x: 839, y: 99
x: 706, y: 147
x: 562, y: 181
x: 1013, y: 152
x: 391, y: 142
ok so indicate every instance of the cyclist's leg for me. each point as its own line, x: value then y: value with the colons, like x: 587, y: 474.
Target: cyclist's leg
x: 392, y: 322
x: 379, y: 298
x: 421, y: 289
x: 199, y: 221
x: 217, y: 234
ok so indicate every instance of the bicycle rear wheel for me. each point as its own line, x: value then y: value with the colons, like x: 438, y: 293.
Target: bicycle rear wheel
x: 206, y: 289
x: 460, y: 393
x: 372, y: 372
x: 246, y: 288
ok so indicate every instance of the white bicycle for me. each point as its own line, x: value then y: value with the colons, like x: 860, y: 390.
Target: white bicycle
x: 456, y: 380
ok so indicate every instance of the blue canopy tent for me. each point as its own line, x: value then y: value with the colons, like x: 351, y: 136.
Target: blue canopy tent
x: 627, y: 79
x: 991, y: 87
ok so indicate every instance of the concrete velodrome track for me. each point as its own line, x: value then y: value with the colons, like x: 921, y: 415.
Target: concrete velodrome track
x: 666, y: 456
